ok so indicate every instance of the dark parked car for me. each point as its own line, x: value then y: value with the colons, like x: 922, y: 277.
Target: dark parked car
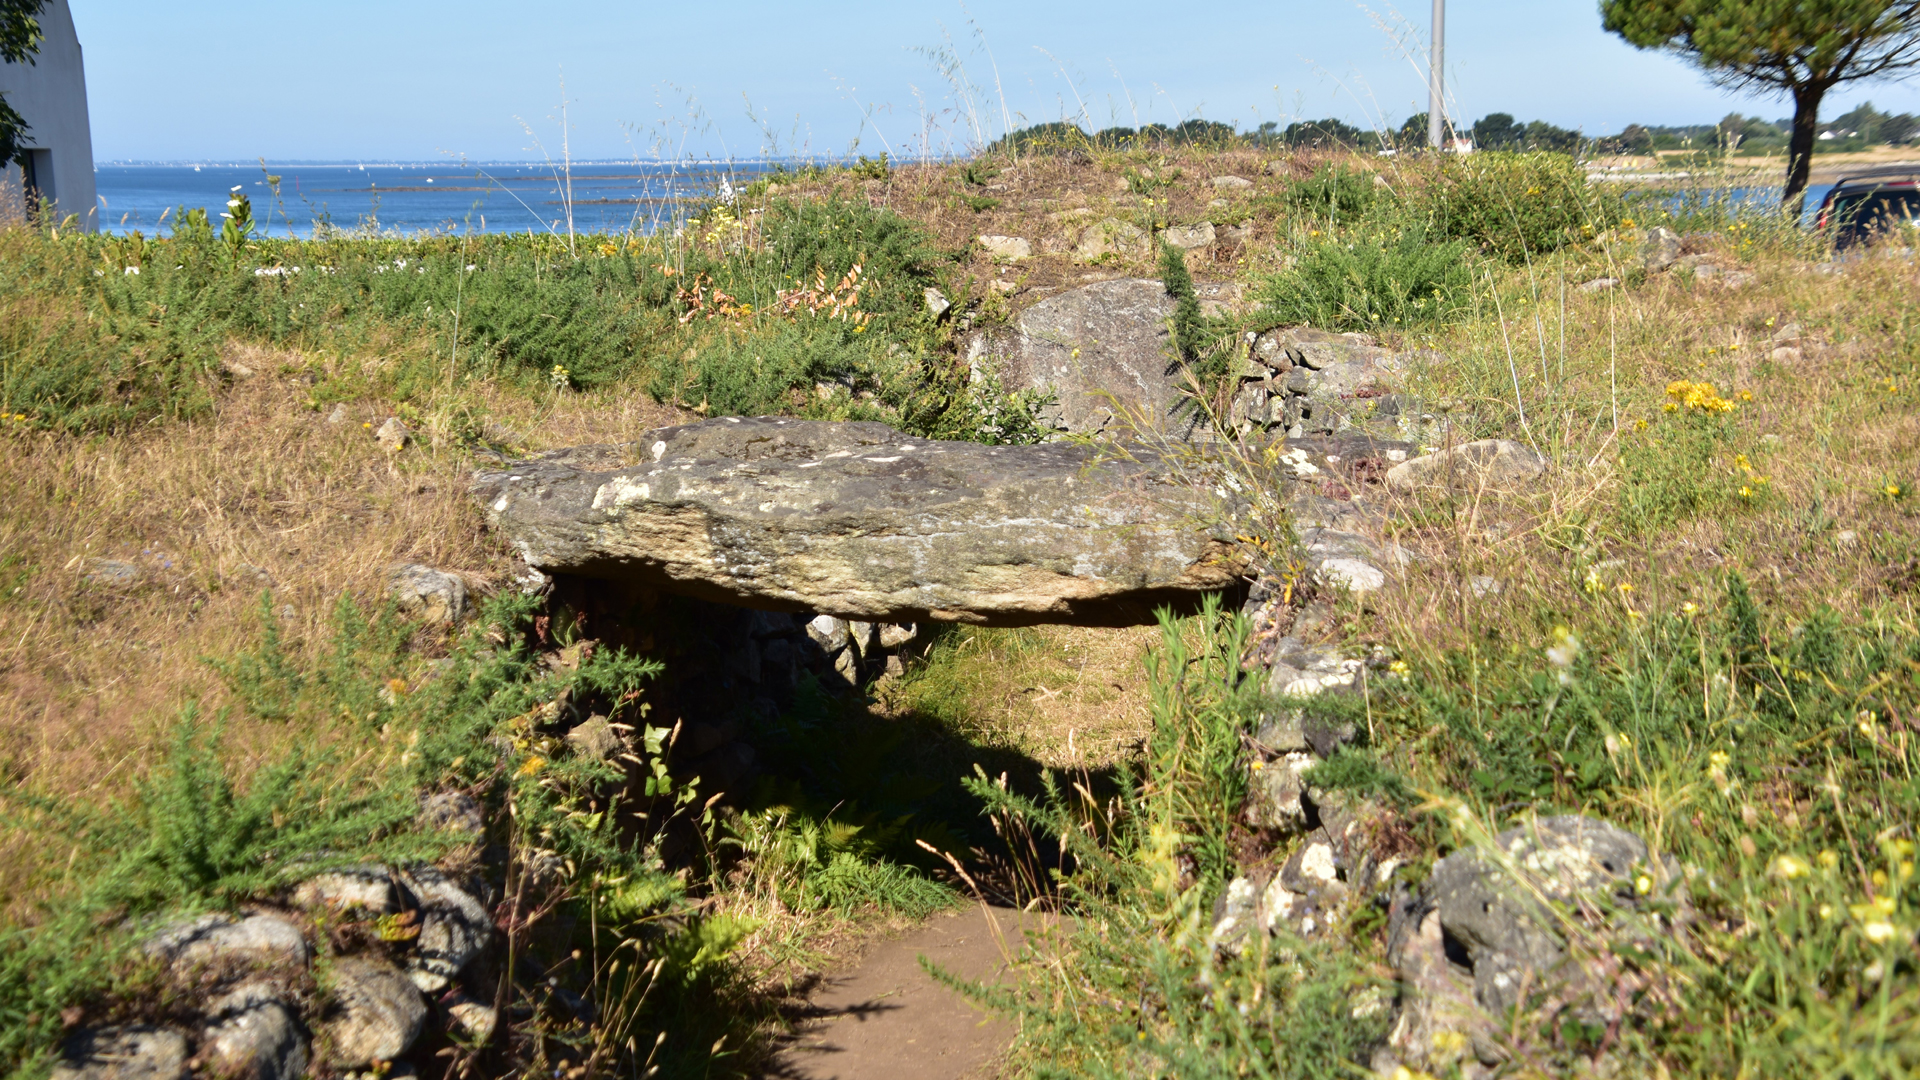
x: 1870, y: 203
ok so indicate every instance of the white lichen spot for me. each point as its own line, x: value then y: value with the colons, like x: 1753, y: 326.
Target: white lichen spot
x: 1296, y: 459
x: 659, y: 449
x: 620, y: 491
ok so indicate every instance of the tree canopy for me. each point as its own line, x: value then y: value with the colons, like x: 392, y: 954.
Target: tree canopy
x: 1801, y: 48
x: 19, y: 41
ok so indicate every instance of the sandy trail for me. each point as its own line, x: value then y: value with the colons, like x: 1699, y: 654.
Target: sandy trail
x: 886, y: 1017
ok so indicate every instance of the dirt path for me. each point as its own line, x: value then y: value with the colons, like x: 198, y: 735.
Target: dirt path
x: 886, y: 1019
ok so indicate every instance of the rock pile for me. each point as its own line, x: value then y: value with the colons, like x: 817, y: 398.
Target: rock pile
x: 265, y: 1012
x: 1538, y: 921
x: 1308, y: 382
x: 1103, y: 352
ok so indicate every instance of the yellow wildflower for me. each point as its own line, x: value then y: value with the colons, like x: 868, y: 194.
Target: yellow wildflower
x: 1789, y: 867
x: 1697, y: 397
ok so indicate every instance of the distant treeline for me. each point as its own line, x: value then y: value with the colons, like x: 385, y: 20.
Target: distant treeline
x: 1862, y: 127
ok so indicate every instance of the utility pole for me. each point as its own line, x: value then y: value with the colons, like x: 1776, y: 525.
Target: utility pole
x: 1436, y: 96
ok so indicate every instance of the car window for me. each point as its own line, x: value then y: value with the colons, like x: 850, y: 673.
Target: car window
x: 1864, y: 212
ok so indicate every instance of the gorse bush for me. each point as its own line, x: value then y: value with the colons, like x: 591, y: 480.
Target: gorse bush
x: 1187, y: 327
x: 1514, y: 206
x: 1334, y: 194
x: 1367, y: 281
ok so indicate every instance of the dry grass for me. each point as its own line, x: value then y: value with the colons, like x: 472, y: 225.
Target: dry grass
x: 1050, y: 199
x: 1828, y: 427
x: 1064, y: 696
x: 262, y: 496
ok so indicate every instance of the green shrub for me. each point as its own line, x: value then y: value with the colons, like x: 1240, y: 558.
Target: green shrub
x: 740, y: 372
x: 1334, y: 194
x: 1186, y: 304
x: 1366, y: 281
x: 1514, y: 206
x: 829, y: 237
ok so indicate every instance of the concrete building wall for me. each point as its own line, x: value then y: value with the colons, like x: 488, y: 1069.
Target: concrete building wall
x: 51, y: 95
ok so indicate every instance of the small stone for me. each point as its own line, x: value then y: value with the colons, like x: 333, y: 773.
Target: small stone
x: 1003, y: 287
x: 847, y: 666
x: 1659, y: 248
x: 220, y: 939
x: 112, y: 572
x: 1786, y: 354
x: 1598, y: 285
x: 1231, y: 183
x: 1234, y: 915
x: 377, y: 1013
x: 1482, y: 586
x: 425, y: 593
x: 454, y: 811
x: 894, y: 635
x: 1189, y: 237
x: 937, y: 302
x: 393, y: 435
x: 473, y: 1016
x: 1487, y: 463
x: 1110, y: 237
x: 1847, y: 539
x: 1007, y: 248
x: 454, y: 928
x: 1283, y: 733
x: 356, y: 888
x: 1275, y: 791
x: 135, y: 1052
x: 595, y: 738
x: 1312, y: 864
x: 1354, y: 575
x: 338, y: 415
x: 254, y: 1036
x: 828, y: 632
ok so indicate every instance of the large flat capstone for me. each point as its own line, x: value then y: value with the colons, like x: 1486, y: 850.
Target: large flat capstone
x: 861, y: 521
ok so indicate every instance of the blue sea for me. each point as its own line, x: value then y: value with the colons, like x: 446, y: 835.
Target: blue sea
x: 412, y: 198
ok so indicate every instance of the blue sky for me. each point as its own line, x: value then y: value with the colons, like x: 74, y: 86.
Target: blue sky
x: 422, y: 79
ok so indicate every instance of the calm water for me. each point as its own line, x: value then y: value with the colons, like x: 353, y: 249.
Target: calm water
x: 411, y: 198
